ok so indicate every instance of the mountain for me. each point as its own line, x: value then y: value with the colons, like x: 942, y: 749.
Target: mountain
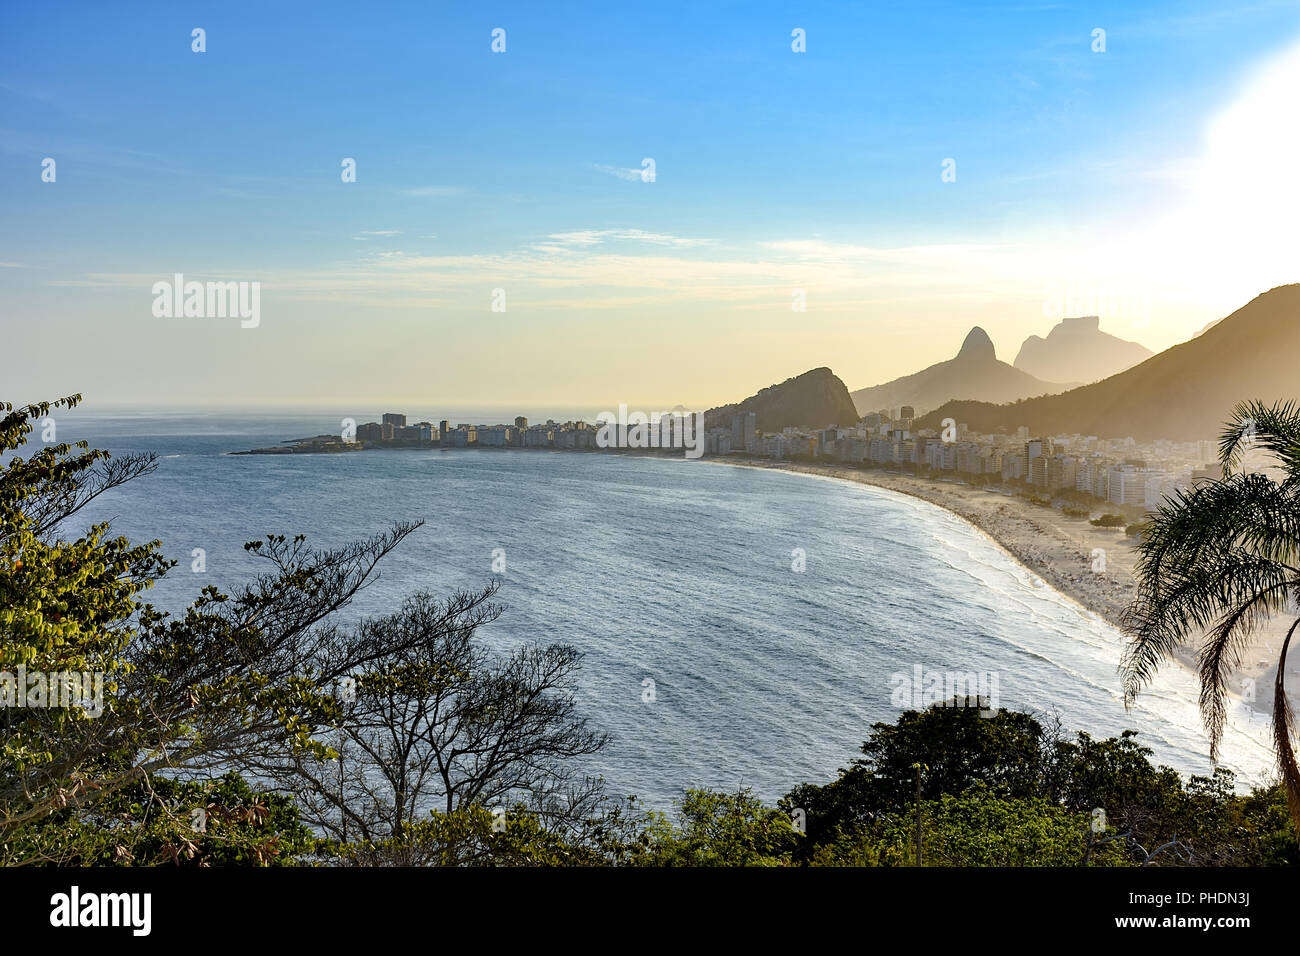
x: 1183, y: 394
x: 1076, y: 350
x: 975, y: 373
x: 815, y: 398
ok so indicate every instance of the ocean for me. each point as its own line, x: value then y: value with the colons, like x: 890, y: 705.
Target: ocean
x: 778, y: 615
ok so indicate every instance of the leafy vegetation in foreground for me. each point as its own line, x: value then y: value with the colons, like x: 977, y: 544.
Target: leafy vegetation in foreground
x: 1000, y: 791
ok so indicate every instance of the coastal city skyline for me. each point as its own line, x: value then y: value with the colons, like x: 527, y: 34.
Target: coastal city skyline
x: 1120, y: 471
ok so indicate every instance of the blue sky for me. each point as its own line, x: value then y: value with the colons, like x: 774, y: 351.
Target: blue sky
x: 475, y: 171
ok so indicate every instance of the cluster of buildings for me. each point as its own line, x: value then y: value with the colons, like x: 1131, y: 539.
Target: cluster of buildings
x: 393, y: 430
x: 1118, y: 471
x: 740, y: 436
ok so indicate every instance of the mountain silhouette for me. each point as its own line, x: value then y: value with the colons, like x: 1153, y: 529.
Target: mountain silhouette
x: 975, y: 373
x: 814, y: 399
x: 1183, y: 394
x: 1077, y: 350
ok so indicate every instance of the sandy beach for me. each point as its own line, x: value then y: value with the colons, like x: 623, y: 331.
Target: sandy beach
x: 1061, y: 551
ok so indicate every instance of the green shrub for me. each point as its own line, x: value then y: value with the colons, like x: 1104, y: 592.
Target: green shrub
x: 1108, y: 521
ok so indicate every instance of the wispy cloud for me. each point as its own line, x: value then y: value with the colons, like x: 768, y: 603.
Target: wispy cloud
x: 628, y: 175
x: 603, y: 270
x: 367, y: 234
x: 589, y: 238
x: 596, y: 269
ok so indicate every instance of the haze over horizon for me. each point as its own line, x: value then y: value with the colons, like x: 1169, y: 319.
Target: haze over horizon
x: 1079, y: 177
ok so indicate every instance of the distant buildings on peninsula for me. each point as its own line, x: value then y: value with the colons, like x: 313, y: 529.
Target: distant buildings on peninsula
x: 1118, y: 471
x: 393, y: 431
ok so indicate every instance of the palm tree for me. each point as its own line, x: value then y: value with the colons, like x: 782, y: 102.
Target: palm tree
x: 1218, y: 560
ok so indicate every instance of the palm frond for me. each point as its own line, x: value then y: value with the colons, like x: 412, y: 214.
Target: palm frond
x: 1219, y: 559
x: 1221, y: 654
x: 1220, y: 556
x: 1275, y: 428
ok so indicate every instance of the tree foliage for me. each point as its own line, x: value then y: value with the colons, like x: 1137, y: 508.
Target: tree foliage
x: 1214, y: 563
x: 246, y: 681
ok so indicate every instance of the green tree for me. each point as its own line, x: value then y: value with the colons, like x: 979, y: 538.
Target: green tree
x: 472, y: 836
x: 1218, y: 560
x: 974, y: 828
x: 1018, y: 761
x: 446, y: 723
x: 236, y: 682
x: 958, y: 748
x: 717, y: 828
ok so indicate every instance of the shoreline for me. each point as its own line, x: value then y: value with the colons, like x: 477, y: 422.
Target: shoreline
x: 1060, y: 551
x: 998, y: 517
